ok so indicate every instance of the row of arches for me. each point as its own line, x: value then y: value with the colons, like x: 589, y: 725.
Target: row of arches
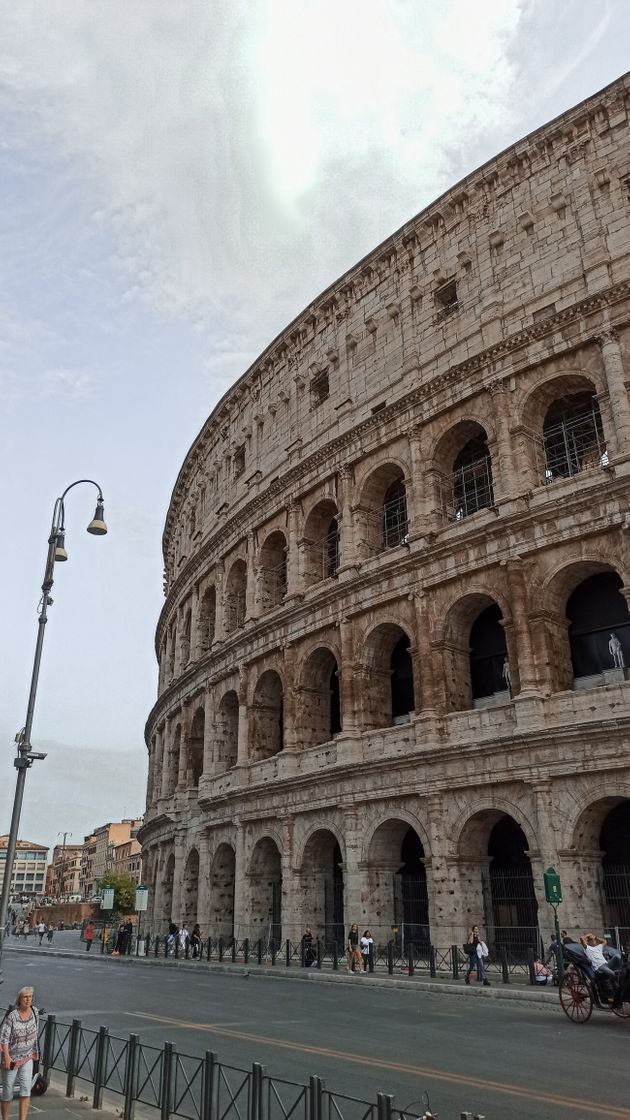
x: 383, y: 508
x: 498, y: 883
x: 388, y: 682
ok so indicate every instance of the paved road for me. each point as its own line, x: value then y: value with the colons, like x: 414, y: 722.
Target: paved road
x: 507, y: 1061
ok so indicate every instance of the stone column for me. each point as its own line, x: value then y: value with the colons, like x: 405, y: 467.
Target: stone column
x: 241, y: 884
x: 178, y: 879
x: 444, y: 904
x: 617, y: 392
x: 203, y: 891
x: 294, y: 577
x: 344, y: 495
x: 195, y: 629
x: 219, y: 589
x: 350, y: 713
x: 427, y: 701
x: 422, y: 513
x: 252, y: 573
x: 520, y: 618
x: 182, y: 773
x: 292, y: 918
x: 354, y: 889
x: 152, y: 748
x: 166, y: 759
x: 208, y: 734
x: 243, y: 745
x: 290, y: 730
x: 505, y: 477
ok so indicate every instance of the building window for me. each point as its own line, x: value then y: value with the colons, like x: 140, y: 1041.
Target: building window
x: 320, y: 389
x: 239, y: 461
x: 573, y: 438
x: 446, y: 298
x: 395, y: 524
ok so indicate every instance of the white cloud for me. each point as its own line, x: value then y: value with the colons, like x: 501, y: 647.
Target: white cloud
x: 242, y: 154
x: 71, y: 384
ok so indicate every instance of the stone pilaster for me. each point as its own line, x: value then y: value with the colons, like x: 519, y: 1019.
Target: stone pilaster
x: 505, y: 482
x: 354, y: 887
x: 617, y: 392
x: 346, y: 522
x: 292, y: 918
x: 219, y: 575
x: 243, y: 745
x: 427, y: 701
x: 294, y: 577
x: 520, y: 617
x: 348, y: 689
x: 251, y: 606
x: 241, y: 883
x: 203, y: 890
x: 209, y: 761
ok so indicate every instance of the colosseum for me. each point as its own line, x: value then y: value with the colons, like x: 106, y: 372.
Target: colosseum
x: 392, y: 655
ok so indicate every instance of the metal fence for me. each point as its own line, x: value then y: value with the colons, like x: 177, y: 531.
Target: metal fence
x: 196, y: 1088
x: 391, y: 959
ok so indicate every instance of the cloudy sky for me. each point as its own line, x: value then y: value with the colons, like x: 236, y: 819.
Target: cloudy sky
x: 178, y: 180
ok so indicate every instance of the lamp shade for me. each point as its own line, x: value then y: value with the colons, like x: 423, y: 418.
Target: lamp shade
x: 60, y: 548
x: 97, y: 526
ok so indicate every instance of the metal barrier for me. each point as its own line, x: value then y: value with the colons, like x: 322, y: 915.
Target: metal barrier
x: 192, y: 1088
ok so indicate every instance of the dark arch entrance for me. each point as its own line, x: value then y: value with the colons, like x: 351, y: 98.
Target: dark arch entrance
x: 488, y: 654
x: 322, y: 887
x: 615, y: 845
x: 511, y: 907
x: 402, y: 680
x: 598, y: 613
x: 411, y: 900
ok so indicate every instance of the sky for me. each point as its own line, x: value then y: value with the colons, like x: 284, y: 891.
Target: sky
x: 178, y: 181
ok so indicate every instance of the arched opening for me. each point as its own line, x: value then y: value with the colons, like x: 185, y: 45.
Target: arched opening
x: 167, y: 889
x: 573, y: 436
x: 190, y: 889
x: 382, y: 510
x: 222, y: 880
x: 489, y: 666
x: 402, y: 697
x: 173, y: 768
x: 195, y: 748
x: 267, y: 717
x: 321, y: 886
x: 399, y: 900
x: 513, y: 906
x: 599, y: 630
x: 273, y: 570
x: 389, y: 697
x: 614, y: 842
x: 207, y: 619
x: 320, y: 710
x: 235, y: 597
x: 266, y: 893
x: 226, y: 732
x: 467, y: 482
x: 321, y: 545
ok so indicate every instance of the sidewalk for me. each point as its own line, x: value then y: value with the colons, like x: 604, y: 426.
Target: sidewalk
x: 444, y: 985
x: 54, y: 1105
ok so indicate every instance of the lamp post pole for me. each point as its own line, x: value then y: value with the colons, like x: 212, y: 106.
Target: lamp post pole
x: 25, y: 754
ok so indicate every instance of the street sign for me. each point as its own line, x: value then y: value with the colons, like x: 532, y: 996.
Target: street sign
x: 107, y: 898
x: 553, y: 887
x: 142, y: 898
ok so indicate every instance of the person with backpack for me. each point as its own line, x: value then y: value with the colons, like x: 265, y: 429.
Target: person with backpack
x: 19, y: 1048
x: 477, y: 951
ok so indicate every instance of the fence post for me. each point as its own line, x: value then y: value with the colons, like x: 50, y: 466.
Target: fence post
x: 166, y: 1085
x: 390, y: 958
x: 176, y: 946
x: 147, y: 945
x: 384, y: 1105
x: 187, y: 948
x: 505, y: 971
x: 156, y: 945
x: 131, y: 1076
x: 455, y: 961
x: 220, y: 948
x: 73, y: 1052
x: 319, y: 953
x: 259, y: 950
x: 530, y: 966
x: 100, y: 1066
x: 273, y: 950
x: 371, y: 958
x: 49, y: 1046
x: 233, y: 950
x: 209, y: 949
x: 432, y: 968
x: 410, y: 960
x: 315, y: 1088
x: 335, y: 956
x: 210, y: 1062
x: 256, y: 1092
x: 288, y: 952
x: 246, y: 951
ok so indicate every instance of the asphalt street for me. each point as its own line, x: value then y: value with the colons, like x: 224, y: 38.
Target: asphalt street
x: 508, y: 1061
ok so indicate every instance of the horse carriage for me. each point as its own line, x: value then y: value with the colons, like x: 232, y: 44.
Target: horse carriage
x: 581, y: 989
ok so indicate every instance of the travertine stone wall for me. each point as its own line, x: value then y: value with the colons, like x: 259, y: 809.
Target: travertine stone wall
x: 436, y: 359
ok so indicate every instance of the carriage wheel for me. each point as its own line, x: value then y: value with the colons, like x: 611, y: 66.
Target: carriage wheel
x: 576, y: 996
x: 624, y: 1011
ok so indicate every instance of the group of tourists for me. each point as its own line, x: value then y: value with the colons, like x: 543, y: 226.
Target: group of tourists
x: 186, y: 943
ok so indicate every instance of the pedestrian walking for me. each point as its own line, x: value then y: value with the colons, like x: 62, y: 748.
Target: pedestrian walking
x: 89, y: 936
x: 477, y: 951
x: 309, y: 956
x: 120, y: 940
x: 367, y: 941
x: 195, y: 941
x: 183, y: 939
x: 18, y: 1050
x: 41, y: 930
x: 354, y: 956
x: 171, y: 937
x: 50, y: 933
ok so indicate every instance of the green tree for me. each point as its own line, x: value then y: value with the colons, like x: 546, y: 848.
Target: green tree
x: 124, y: 887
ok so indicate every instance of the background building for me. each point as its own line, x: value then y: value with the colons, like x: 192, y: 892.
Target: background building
x: 128, y: 859
x: 29, y: 867
x: 63, y: 875
x: 98, y: 855
x: 393, y: 653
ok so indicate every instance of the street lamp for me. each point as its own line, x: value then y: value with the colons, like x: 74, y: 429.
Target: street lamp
x: 25, y: 755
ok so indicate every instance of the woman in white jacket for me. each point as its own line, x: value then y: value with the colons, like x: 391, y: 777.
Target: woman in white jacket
x: 477, y: 957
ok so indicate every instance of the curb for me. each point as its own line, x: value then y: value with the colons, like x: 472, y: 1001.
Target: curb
x: 547, y: 999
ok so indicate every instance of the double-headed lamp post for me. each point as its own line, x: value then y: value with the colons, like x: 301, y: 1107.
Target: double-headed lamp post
x: 25, y: 755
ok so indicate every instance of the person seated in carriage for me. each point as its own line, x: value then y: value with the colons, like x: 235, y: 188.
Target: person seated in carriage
x: 594, y: 948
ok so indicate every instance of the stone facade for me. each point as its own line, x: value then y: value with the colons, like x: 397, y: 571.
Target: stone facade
x: 392, y: 683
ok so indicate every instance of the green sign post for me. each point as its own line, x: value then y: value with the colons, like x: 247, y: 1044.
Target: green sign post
x: 553, y: 895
